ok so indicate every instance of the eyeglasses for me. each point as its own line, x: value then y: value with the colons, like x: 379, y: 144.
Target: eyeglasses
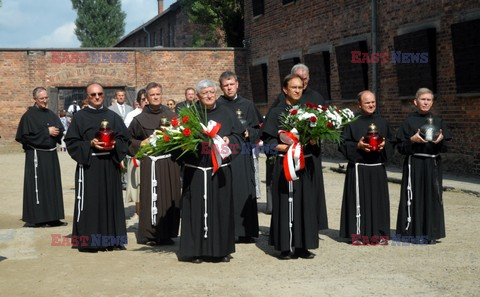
x: 95, y: 94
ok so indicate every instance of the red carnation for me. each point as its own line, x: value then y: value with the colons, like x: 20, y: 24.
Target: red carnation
x: 187, y: 132
x: 313, y: 119
x: 324, y: 108
x: 166, y: 138
x: 309, y: 105
x: 315, y: 106
x: 337, y: 110
x: 329, y: 125
x: 184, y: 119
x: 174, y: 122
x: 293, y: 111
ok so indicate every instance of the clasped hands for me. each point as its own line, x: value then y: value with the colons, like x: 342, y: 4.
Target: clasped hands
x: 416, y: 138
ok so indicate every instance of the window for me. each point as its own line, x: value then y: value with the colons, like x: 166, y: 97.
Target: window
x: 171, y: 35
x: 319, y: 66
x: 154, y: 41
x: 258, y: 82
x: 160, y: 37
x: 466, y: 43
x: 415, y: 61
x: 258, y: 7
x: 353, y: 76
x: 285, y: 67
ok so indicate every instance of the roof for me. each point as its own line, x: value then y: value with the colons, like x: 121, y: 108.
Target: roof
x: 174, y: 6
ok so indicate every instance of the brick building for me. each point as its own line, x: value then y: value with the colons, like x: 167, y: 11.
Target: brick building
x: 170, y: 28
x: 66, y: 72
x: 323, y: 35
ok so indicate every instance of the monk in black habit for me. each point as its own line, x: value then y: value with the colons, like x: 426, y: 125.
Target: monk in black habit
x: 208, y: 231
x: 99, y: 212
x: 39, y: 131
x: 158, y: 220
x: 420, y: 213
x: 244, y: 191
x: 303, y: 235
x: 367, y: 215
x: 309, y: 95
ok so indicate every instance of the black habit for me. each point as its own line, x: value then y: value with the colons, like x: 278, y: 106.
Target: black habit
x: 99, y: 210
x: 311, y: 96
x: 372, y: 184
x: 219, y: 239
x: 44, y: 174
x: 304, y: 229
x: 244, y: 192
x: 426, y: 210
x: 164, y: 225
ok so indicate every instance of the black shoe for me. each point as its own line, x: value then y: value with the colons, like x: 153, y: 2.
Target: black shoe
x: 87, y: 250
x: 285, y: 255
x: 225, y: 259
x: 32, y: 225
x: 57, y: 223
x: 433, y: 241
x: 304, y: 254
x: 167, y: 241
x: 245, y: 239
x: 197, y: 260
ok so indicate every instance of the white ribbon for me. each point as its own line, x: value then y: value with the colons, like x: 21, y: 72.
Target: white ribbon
x: 409, y: 185
x: 35, y: 166
x: 205, y: 196
x: 357, y: 191
x: 81, y: 184
x: 154, y: 183
x: 220, y: 149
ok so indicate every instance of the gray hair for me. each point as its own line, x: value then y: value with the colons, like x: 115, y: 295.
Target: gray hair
x: 422, y: 91
x: 205, y: 83
x: 299, y: 66
x: 37, y: 90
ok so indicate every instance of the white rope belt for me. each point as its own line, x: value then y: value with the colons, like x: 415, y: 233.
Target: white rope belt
x: 409, y: 185
x: 81, y: 184
x: 290, y: 206
x: 205, y: 213
x: 357, y: 191
x: 153, y: 189
x: 35, y: 166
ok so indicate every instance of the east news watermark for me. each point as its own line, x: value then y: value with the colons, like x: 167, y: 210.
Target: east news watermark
x: 394, y: 57
x: 91, y: 57
x: 395, y: 240
x: 93, y: 240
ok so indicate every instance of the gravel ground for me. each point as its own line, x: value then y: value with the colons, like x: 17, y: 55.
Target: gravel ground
x: 30, y: 265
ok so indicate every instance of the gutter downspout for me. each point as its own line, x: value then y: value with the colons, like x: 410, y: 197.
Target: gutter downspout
x: 148, y: 35
x: 374, y: 33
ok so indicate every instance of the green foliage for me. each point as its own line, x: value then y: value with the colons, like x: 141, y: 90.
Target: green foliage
x: 223, y: 20
x: 100, y: 23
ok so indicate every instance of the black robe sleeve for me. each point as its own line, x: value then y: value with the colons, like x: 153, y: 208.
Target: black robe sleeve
x: 33, y: 129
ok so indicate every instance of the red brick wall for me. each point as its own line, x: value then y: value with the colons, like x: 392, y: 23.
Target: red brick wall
x: 21, y: 71
x: 304, y: 25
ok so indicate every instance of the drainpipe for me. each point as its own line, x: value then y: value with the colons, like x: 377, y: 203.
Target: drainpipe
x: 374, y: 46
x: 148, y: 36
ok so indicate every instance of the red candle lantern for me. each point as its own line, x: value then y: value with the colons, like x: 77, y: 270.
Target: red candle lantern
x: 373, y: 139
x: 105, y: 135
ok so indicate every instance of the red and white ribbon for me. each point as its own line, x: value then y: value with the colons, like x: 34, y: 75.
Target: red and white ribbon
x: 220, y: 149
x: 135, y: 162
x: 295, y: 160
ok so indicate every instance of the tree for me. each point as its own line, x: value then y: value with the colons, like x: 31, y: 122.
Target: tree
x: 222, y: 18
x: 99, y: 23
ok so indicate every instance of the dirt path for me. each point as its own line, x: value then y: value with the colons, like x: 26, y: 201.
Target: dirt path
x: 35, y: 268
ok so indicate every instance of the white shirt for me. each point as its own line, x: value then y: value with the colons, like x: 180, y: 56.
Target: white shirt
x: 131, y: 115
